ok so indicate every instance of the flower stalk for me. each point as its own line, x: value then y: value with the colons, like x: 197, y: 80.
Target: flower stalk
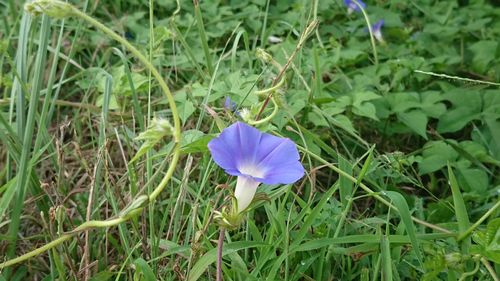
x: 370, y: 30
x: 59, y: 9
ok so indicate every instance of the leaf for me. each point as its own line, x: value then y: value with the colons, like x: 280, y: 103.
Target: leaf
x: 456, y: 119
x: 194, y: 141
x: 157, y: 130
x: 210, y: 257
x: 385, y: 249
x: 476, y: 180
x: 102, y: 276
x: 467, y: 106
x: 435, y: 156
x: 362, y: 106
x: 404, y: 212
x: 113, y: 103
x: 484, y: 53
x: 185, y: 109
x: 7, y: 195
x: 143, y: 268
x: 415, y: 120
x: 459, y: 206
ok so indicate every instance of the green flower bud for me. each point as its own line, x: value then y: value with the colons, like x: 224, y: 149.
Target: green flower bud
x: 263, y: 55
x: 53, y: 8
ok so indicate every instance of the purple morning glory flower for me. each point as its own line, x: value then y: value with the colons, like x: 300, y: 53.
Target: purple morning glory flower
x: 377, y: 30
x: 255, y: 157
x: 353, y: 7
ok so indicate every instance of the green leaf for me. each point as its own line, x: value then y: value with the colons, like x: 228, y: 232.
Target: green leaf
x: 459, y: 206
x: 210, y: 257
x: 7, y: 195
x: 404, y: 212
x: 194, y: 141
x: 102, y: 276
x: 385, y: 249
x: 467, y: 106
x: 493, y: 234
x: 185, y: 109
x: 484, y: 53
x: 476, y: 180
x: 144, y: 269
x: 362, y: 106
x: 415, y: 120
x: 157, y: 130
x: 435, y: 156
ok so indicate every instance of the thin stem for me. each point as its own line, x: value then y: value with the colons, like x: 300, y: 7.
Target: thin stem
x: 220, y: 245
x: 372, y: 38
x: 490, y: 269
x: 312, y: 25
x: 478, y: 222
x: 38, y: 251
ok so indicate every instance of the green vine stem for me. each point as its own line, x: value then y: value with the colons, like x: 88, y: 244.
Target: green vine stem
x: 59, y: 9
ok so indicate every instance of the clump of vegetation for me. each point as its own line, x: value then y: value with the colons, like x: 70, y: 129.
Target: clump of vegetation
x: 249, y: 140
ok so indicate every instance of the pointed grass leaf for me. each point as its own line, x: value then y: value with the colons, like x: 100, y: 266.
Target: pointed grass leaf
x: 404, y: 212
x: 142, y: 268
x: 458, y: 202
x: 210, y: 257
x: 385, y: 249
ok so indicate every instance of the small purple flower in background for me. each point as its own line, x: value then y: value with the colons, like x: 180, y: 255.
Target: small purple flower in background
x: 377, y: 30
x: 229, y: 104
x: 255, y: 158
x: 353, y: 7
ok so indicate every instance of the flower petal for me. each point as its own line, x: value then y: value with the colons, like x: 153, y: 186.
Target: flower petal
x: 235, y: 147
x: 242, y: 150
x: 279, y: 159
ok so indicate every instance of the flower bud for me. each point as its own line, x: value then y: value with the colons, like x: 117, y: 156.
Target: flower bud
x: 53, y: 8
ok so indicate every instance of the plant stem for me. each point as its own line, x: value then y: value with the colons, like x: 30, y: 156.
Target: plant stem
x: 310, y: 27
x: 478, y: 222
x: 369, y: 26
x: 220, y: 245
x: 490, y: 269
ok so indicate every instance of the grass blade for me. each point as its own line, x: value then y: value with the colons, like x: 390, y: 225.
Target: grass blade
x: 404, y: 212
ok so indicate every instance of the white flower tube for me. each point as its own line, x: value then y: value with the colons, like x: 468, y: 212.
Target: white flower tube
x: 245, y: 191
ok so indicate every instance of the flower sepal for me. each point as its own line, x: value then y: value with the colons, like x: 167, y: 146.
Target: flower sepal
x: 229, y: 219
x: 232, y: 218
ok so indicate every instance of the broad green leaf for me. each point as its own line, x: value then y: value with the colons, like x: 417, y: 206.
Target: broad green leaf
x: 435, y: 156
x: 415, y: 120
x: 484, y: 53
x: 476, y: 180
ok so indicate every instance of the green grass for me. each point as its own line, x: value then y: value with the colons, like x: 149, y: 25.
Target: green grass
x: 400, y: 140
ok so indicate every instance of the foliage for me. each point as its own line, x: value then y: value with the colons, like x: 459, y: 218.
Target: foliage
x: 84, y: 131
